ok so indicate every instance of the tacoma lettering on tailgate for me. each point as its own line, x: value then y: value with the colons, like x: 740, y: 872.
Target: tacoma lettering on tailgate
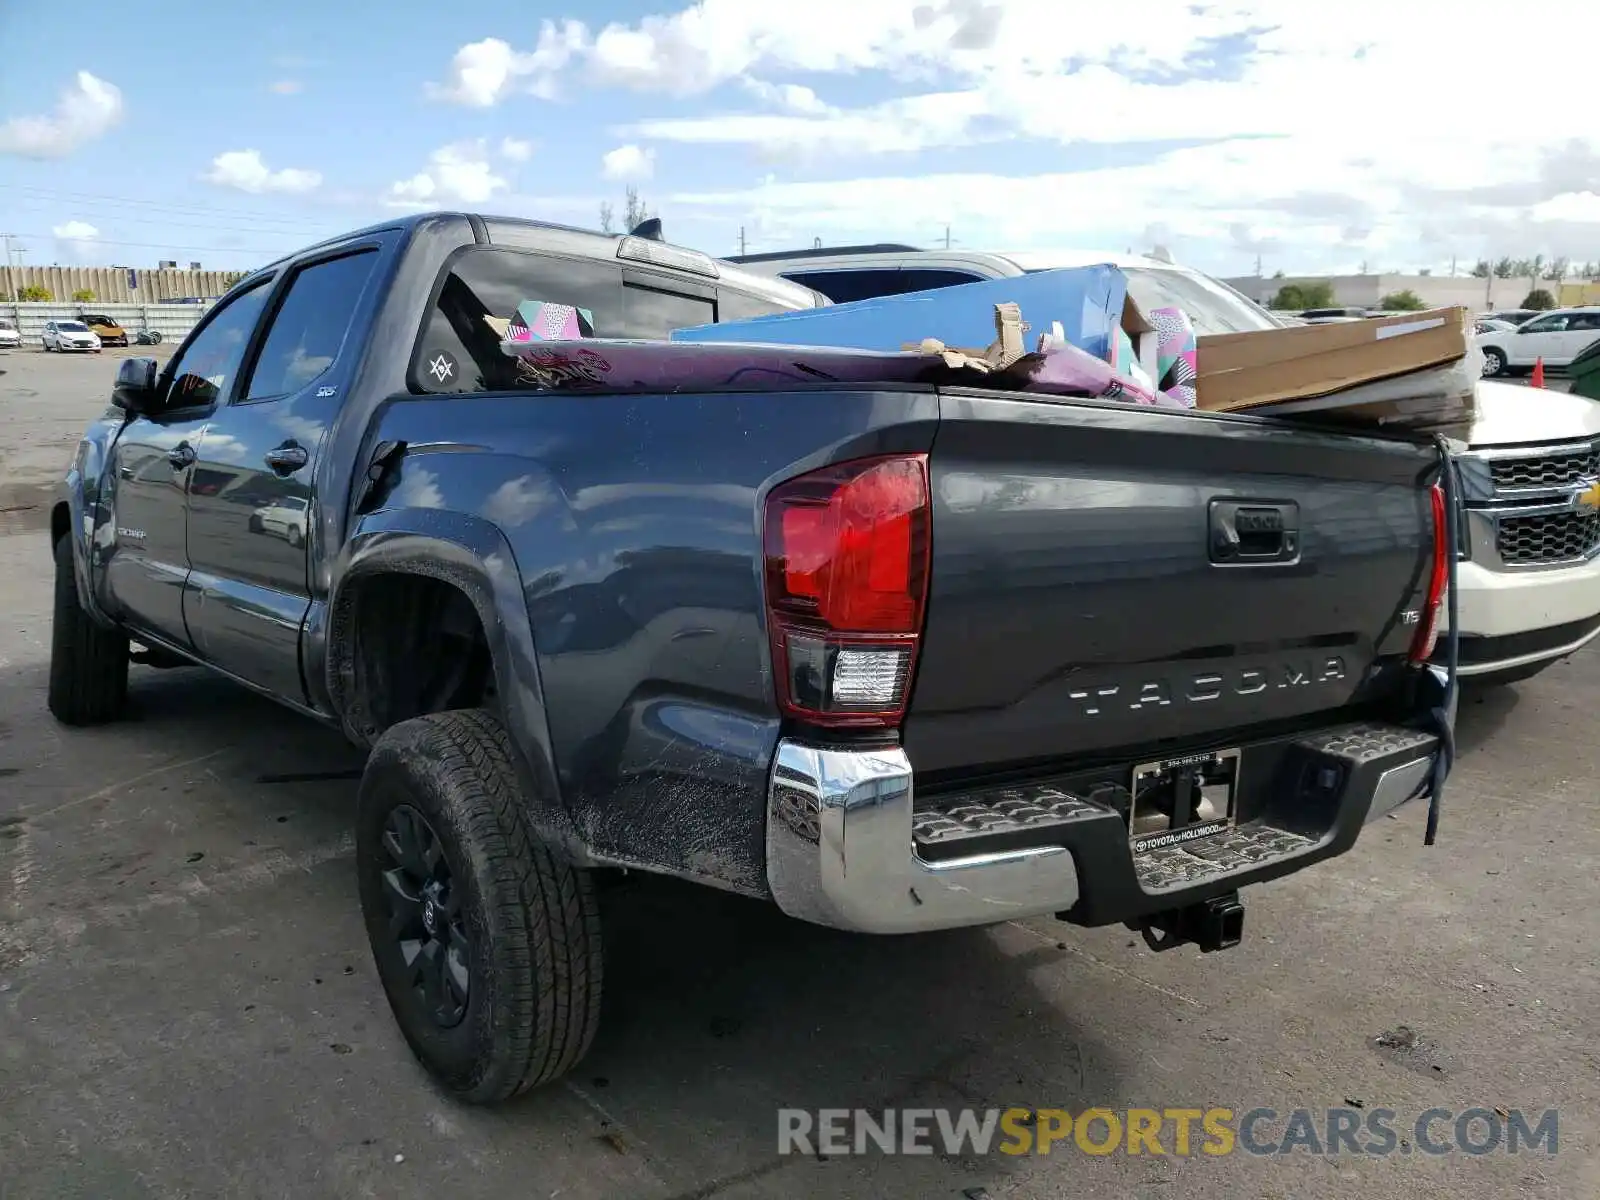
x: 1211, y: 685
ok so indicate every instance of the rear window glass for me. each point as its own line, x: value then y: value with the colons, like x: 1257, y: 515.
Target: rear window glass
x: 494, y: 294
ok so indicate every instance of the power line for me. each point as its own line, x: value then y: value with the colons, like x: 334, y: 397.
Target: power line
x: 165, y: 222
x: 158, y: 245
x: 156, y: 205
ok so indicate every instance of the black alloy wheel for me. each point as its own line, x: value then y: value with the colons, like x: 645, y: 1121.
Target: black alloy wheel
x: 427, y: 922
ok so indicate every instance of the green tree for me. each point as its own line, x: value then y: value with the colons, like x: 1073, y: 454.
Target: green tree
x: 83, y: 296
x: 1505, y: 268
x: 1538, y: 299
x: 634, y: 210
x: 1406, y: 301
x: 1293, y: 297
x: 1482, y: 269
x: 1558, y: 269
x: 34, y: 294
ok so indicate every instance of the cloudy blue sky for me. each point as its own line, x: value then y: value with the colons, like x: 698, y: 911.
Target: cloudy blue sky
x: 1316, y: 137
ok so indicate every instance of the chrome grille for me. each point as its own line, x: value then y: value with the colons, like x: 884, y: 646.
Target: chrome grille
x: 1551, y: 538
x: 1546, y: 470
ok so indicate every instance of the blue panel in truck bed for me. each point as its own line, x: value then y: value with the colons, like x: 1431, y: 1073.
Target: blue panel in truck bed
x: 1086, y: 300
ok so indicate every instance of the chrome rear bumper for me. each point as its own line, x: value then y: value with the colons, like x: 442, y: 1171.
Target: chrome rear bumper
x: 841, y: 849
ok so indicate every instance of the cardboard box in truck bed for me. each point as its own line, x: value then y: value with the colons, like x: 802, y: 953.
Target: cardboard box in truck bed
x: 1242, y: 370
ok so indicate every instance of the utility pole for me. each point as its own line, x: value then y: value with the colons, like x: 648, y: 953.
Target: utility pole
x: 741, y: 241
x: 947, y: 237
x: 11, y: 279
x: 1258, y: 266
x: 1452, y: 266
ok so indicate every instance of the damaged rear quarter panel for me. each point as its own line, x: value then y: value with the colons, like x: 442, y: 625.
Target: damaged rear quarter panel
x: 631, y: 532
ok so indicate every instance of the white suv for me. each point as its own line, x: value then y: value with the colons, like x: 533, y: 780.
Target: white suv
x: 1557, y: 337
x: 1529, y: 578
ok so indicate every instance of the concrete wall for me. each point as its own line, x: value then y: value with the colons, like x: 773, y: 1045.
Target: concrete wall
x: 110, y: 284
x: 1437, y: 291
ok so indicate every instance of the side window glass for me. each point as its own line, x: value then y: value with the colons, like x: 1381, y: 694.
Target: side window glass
x: 207, y: 365
x: 741, y: 306
x: 1546, y: 325
x: 922, y: 281
x: 310, y: 325
x: 649, y: 313
x: 1584, y: 321
x: 844, y: 286
x: 490, y: 295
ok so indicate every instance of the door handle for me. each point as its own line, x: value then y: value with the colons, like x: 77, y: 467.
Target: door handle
x: 181, y: 456
x: 1249, y: 532
x: 287, y: 458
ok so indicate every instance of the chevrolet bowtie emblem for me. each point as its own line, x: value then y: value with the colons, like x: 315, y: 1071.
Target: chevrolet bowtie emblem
x: 1591, y: 498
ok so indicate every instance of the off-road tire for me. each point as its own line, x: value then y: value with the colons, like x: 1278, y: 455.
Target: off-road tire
x: 535, y: 972
x: 88, y: 663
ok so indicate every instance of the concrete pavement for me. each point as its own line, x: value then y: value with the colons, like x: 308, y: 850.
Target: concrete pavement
x: 188, y: 1007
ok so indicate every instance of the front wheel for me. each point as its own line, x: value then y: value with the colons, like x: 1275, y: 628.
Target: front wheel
x: 1494, y: 363
x: 487, y: 944
x: 88, y: 663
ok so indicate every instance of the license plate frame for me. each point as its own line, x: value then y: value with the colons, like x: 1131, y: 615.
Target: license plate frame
x: 1216, y: 807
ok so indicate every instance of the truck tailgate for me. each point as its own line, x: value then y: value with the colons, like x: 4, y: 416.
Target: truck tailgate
x: 1105, y: 576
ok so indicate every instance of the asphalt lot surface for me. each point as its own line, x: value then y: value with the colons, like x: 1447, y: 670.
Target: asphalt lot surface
x: 188, y: 1007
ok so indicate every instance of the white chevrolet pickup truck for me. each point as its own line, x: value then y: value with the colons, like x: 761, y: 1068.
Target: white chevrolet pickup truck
x: 1529, y: 582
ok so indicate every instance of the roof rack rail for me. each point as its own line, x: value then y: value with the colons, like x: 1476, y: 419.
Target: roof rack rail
x: 824, y: 252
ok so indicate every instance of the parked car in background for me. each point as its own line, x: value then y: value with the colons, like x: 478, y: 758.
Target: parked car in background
x: 10, y: 336
x: 1557, y: 337
x: 1491, y: 325
x: 107, y: 330
x: 1529, y: 582
x: 865, y: 272
x: 62, y: 336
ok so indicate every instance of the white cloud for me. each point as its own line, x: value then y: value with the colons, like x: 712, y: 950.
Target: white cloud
x: 791, y: 97
x: 79, y: 238
x: 1338, y: 133
x: 456, y: 174
x: 244, y: 171
x: 484, y: 73
x: 516, y: 149
x: 628, y: 162
x: 83, y: 112
x: 286, y: 87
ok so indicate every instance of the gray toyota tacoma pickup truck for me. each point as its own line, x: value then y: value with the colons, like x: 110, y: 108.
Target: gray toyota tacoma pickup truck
x: 893, y: 658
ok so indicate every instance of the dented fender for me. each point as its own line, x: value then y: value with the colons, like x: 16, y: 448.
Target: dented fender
x: 474, y: 556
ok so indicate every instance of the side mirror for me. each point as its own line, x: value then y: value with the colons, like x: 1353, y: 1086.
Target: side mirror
x: 135, y: 389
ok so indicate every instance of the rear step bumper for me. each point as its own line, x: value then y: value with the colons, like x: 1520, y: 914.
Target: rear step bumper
x: 848, y: 847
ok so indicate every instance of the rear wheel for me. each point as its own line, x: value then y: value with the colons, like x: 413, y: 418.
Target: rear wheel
x: 1494, y: 362
x: 488, y: 946
x: 88, y: 663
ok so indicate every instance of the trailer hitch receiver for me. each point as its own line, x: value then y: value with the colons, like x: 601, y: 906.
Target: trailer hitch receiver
x: 1214, y: 924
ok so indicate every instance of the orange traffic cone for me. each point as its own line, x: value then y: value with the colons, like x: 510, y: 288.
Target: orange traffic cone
x: 1538, y: 374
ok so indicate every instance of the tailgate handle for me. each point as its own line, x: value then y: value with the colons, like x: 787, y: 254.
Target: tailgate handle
x: 1254, y: 532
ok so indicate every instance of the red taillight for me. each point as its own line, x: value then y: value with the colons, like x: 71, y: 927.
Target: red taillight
x: 1438, y: 579
x: 847, y: 551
